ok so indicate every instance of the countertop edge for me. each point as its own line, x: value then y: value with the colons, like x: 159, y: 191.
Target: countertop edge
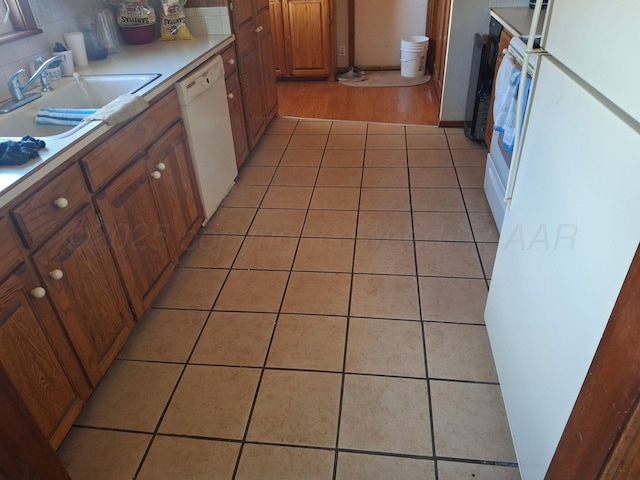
x: 60, y: 151
x: 517, y: 20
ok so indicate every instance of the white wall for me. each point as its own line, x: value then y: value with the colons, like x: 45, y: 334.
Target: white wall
x: 379, y: 26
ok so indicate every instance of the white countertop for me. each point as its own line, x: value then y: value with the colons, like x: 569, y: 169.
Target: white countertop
x: 173, y: 60
x: 517, y: 20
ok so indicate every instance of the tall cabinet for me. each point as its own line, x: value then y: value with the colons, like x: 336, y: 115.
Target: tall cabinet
x: 251, y: 24
x: 303, y: 43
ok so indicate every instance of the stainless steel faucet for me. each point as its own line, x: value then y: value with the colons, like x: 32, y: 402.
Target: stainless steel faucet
x: 17, y: 90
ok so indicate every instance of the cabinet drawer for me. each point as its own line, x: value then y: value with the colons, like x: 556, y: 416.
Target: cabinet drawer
x: 229, y: 60
x: 106, y: 161
x: 52, y: 205
x: 10, y: 257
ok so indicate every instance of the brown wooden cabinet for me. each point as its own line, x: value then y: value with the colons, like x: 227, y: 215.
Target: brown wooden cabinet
x: 252, y: 26
x: 234, y: 100
x: 505, y: 38
x: 36, y: 356
x: 76, y: 267
x: 303, y: 44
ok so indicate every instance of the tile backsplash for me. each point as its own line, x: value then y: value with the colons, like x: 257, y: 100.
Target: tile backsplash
x: 56, y: 17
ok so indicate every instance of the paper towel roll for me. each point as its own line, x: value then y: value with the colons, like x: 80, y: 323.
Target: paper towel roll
x: 75, y: 43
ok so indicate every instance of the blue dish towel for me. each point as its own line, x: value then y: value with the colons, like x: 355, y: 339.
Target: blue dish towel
x: 63, y: 116
x: 17, y: 153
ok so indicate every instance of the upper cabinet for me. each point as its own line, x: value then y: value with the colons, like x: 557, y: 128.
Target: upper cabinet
x: 302, y: 36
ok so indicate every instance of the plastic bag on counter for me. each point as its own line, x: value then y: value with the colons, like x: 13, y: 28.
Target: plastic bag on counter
x: 174, y: 21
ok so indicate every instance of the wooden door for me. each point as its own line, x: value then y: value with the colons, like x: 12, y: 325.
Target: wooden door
x: 307, y: 37
x: 438, y: 33
x: 269, y: 87
x: 77, y: 270
x: 236, y: 112
x: 279, y: 45
x: 175, y: 187
x: 505, y: 38
x: 37, y: 358
x: 137, y: 234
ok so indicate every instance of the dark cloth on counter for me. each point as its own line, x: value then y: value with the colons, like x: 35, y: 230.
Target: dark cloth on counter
x: 17, y: 153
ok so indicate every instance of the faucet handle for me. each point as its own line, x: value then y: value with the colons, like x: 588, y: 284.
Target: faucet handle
x: 14, y: 85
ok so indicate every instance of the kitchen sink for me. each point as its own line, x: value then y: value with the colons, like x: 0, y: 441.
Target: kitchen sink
x: 79, y: 91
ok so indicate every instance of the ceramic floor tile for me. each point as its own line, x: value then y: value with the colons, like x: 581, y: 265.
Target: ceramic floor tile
x: 295, y: 176
x: 252, y: 291
x: 339, y: 177
x: 131, y: 396
x: 357, y: 466
x: 257, y: 175
x: 274, y: 141
x: 313, y: 127
x: 278, y: 222
x: 437, y: 200
x: 330, y: 224
x: 475, y: 200
x: 308, y: 342
x: 297, y: 408
x: 346, y: 142
x: 172, y: 458
x: 433, y: 177
x: 343, y: 158
x: 488, y: 257
x: 385, y: 256
x: 211, y: 402
x: 385, y: 199
x: 302, y: 158
x: 385, y: 129
x: 282, y: 125
x: 244, y: 196
x: 484, y: 227
x: 459, y: 352
x: 318, y: 293
x: 469, y: 158
x: 266, y: 253
x: 235, y: 339
x: 212, y: 251
x: 427, y: 142
x: 385, y: 158
x: 385, y: 296
x: 463, y: 143
x: 429, y: 158
x: 264, y: 157
x: 453, y: 299
x: 385, y: 177
x: 444, y: 226
x: 448, y: 259
x: 471, y: 177
x: 324, y: 255
x: 287, y: 197
x: 382, y: 414
x: 349, y: 128
x: 385, y: 347
x: 102, y: 454
x: 390, y: 142
x: 191, y: 288
x: 308, y: 142
x: 385, y: 225
x: 164, y: 336
x: 424, y: 130
x: 469, y: 421
x: 230, y: 221
x: 268, y: 462
x: 475, y: 471
x: 335, y: 198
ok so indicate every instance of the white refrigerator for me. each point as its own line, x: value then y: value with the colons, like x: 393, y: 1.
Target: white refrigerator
x: 573, y: 224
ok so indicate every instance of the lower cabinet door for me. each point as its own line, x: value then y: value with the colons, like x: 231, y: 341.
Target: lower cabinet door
x: 78, y: 271
x: 37, y: 358
x: 136, y: 234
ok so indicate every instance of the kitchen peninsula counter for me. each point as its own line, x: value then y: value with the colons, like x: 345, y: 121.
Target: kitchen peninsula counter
x: 517, y: 20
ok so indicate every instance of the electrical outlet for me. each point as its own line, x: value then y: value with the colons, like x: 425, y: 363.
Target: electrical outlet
x: 342, y: 50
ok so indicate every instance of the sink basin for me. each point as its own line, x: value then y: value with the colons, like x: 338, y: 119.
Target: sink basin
x: 83, y: 91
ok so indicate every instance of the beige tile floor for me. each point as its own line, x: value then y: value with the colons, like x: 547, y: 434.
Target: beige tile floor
x: 326, y: 324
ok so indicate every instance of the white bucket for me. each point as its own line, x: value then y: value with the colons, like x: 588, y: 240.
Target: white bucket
x: 413, y: 56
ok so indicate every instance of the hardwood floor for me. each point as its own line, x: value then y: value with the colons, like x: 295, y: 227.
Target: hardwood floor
x: 327, y: 100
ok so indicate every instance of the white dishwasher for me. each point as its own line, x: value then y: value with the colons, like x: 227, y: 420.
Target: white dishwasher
x: 203, y: 100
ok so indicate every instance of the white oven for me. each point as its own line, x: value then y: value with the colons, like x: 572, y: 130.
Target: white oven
x: 499, y: 157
